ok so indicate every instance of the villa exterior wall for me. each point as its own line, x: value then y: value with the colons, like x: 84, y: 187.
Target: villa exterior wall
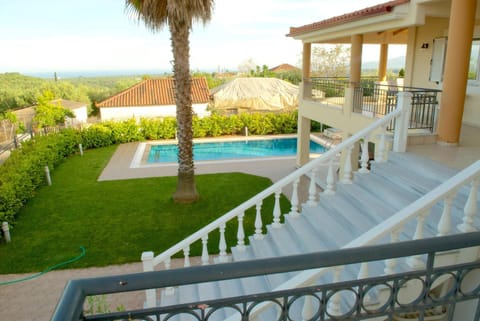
x: 137, y: 112
x: 420, y: 63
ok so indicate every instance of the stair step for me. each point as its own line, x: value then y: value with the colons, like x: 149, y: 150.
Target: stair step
x: 422, y: 166
x: 405, y: 177
x: 306, y: 234
x: 332, y: 231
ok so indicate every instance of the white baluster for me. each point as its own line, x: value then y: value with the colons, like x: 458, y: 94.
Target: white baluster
x: 334, y: 302
x: 330, y: 189
x: 169, y: 290
x: 382, y: 147
x: 186, y: 255
x: 312, y: 190
x: 365, y: 157
x: 415, y: 261
x: 470, y: 208
x: 205, y: 258
x: 222, y: 245
x: 168, y: 263
x: 390, y: 264
x: 294, y: 201
x: 240, y: 232
x: 277, y: 212
x: 150, y: 294
x: 363, y: 274
x: 347, y: 167
x: 308, y: 312
x: 445, y: 225
x: 258, y: 223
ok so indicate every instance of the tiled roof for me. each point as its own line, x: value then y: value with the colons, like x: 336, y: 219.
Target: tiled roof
x: 379, y: 9
x: 156, y: 92
x: 283, y: 68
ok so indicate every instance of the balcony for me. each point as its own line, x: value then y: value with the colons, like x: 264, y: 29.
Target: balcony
x: 373, y: 99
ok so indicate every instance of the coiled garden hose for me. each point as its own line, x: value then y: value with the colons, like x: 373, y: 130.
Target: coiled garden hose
x: 56, y: 266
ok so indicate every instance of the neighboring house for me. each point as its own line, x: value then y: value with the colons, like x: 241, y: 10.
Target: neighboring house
x: 432, y: 63
x: 79, y: 109
x: 254, y: 94
x: 25, y: 115
x: 153, y: 98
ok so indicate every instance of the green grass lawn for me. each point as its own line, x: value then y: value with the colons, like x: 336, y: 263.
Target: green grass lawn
x: 117, y: 220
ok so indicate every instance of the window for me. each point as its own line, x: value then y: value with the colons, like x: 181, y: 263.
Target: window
x: 473, y: 72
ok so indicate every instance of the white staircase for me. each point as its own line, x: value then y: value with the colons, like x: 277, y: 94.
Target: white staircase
x: 404, y: 198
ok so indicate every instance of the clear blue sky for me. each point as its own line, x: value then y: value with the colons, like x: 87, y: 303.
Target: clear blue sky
x: 66, y: 35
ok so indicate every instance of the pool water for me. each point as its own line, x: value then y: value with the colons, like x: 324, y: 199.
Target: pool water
x: 277, y: 147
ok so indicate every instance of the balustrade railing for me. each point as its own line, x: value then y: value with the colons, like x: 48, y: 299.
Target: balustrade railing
x: 236, y: 216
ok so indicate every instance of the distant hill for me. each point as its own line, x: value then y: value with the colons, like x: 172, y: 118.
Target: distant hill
x: 393, y: 64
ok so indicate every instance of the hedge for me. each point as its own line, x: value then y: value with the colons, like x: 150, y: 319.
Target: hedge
x: 24, y: 170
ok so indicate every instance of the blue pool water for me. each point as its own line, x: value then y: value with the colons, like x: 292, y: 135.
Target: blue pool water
x: 232, y: 150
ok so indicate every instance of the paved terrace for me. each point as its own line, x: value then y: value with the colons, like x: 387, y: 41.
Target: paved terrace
x: 35, y: 300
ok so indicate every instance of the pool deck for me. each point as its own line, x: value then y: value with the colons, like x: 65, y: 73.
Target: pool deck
x: 120, y: 166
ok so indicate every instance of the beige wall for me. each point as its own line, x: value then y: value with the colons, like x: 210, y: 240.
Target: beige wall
x: 435, y: 28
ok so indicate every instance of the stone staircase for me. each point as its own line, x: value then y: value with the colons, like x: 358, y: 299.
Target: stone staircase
x: 335, y: 221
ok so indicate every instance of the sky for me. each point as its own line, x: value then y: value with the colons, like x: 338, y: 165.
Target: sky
x: 95, y: 35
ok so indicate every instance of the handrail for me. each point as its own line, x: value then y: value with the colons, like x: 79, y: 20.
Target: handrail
x: 276, y: 186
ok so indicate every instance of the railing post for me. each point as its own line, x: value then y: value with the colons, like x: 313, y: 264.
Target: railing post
x: 445, y: 224
x: 205, y: 257
x: 294, y: 201
x: 381, y: 151
x: 330, y: 189
x: 347, y: 166
x: 404, y: 101
x: 150, y: 294
x: 277, y: 212
x: 470, y: 208
x: 186, y: 255
x: 240, y: 232
x: 312, y: 189
x: 416, y: 261
x: 222, y: 246
x: 258, y: 222
x: 365, y: 157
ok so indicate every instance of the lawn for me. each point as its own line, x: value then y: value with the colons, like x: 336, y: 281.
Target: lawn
x: 117, y: 220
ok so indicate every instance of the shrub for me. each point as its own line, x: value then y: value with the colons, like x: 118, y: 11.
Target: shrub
x: 24, y: 170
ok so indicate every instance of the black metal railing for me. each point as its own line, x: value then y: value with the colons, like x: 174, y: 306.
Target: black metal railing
x: 380, y: 99
x: 375, y: 99
x: 459, y: 283
x: 328, y: 90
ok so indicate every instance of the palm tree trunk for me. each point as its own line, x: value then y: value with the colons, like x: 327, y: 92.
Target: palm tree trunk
x: 186, y: 190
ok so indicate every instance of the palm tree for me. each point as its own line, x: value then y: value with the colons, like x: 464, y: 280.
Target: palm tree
x: 179, y: 15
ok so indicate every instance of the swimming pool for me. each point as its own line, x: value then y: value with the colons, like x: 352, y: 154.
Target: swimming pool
x: 224, y: 150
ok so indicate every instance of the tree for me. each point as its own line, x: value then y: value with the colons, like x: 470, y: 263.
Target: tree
x: 48, y: 112
x: 9, y: 124
x: 179, y: 15
x: 330, y: 61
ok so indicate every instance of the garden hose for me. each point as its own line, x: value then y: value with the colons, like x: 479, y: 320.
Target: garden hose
x: 56, y: 266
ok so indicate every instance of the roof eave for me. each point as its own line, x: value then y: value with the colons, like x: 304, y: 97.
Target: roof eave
x: 401, y: 16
